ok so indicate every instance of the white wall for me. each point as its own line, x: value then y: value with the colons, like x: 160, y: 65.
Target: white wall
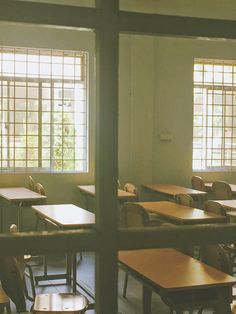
x: 161, y: 101
x: 222, y: 9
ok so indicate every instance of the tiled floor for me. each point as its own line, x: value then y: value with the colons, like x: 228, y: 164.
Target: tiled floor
x: 85, y: 274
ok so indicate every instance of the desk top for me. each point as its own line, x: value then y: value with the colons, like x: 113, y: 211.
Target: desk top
x: 172, y: 270
x: 181, y: 213
x: 172, y: 190
x: 227, y: 204
x: 20, y: 194
x: 209, y: 186
x: 122, y: 195
x: 66, y: 215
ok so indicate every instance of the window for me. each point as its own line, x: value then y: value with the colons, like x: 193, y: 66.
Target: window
x: 43, y: 110
x: 214, y: 125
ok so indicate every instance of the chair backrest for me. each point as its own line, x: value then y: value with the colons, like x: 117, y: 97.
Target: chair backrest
x: 19, y: 258
x: 130, y: 187
x: 12, y: 282
x: 118, y: 184
x: 133, y: 215
x: 32, y: 183
x: 40, y: 189
x: 214, y: 207
x: 216, y: 256
x: 11, y: 275
x: 185, y: 199
x: 221, y: 190
x: 198, y: 183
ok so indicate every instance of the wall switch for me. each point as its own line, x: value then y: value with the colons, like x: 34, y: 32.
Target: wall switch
x: 166, y: 136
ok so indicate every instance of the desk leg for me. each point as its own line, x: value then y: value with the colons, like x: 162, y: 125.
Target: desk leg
x: 147, y: 298
x: 68, y: 267
x: 1, y: 217
x: 74, y: 270
x: 224, y: 303
x: 19, y: 216
x: 223, y: 308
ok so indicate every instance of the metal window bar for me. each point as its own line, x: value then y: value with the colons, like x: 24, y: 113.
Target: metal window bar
x: 212, y: 156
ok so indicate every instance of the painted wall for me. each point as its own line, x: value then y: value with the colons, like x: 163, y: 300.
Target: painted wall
x: 197, y: 8
x: 161, y: 102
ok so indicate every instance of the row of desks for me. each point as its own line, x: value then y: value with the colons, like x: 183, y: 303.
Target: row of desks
x: 167, y: 189
x: 208, y: 186
x: 19, y: 196
x: 157, y: 269
x: 169, y: 270
x: 146, y: 264
x: 180, y: 214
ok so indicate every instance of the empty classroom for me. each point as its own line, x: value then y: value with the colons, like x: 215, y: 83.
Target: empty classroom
x: 118, y: 151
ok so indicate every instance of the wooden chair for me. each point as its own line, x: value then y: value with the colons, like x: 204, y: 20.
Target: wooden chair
x: 60, y: 303
x: 131, y: 188
x: 180, y: 301
x: 221, y: 190
x: 214, y: 207
x: 25, y: 269
x: 132, y: 215
x: 185, y: 199
x: 32, y: 183
x: 11, y: 277
x: 40, y: 189
x: 118, y: 184
x: 4, y: 302
x: 153, y: 219
x: 198, y: 183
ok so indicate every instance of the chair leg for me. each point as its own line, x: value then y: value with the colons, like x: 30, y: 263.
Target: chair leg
x: 8, y: 308
x: 37, y: 224
x: 30, y: 275
x: 125, y: 285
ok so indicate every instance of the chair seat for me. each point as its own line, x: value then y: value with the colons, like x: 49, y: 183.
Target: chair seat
x: 60, y: 302
x: 4, y: 301
x: 230, y: 247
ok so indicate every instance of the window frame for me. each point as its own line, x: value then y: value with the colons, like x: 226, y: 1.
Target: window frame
x: 14, y: 80
x: 214, y: 117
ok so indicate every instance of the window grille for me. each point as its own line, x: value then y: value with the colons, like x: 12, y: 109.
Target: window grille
x: 43, y: 110
x: 214, y: 125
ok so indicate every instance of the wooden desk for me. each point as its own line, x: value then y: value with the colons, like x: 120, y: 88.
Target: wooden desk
x: 170, y: 190
x: 123, y: 196
x: 65, y: 216
x: 18, y: 196
x: 227, y: 204
x: 208, y: 185
x: 181, y: 214
x: 230, y: 207
x: 170, y: 270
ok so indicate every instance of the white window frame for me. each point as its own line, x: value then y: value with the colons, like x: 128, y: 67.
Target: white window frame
x: 33, y: 85
x: 214, y: 115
